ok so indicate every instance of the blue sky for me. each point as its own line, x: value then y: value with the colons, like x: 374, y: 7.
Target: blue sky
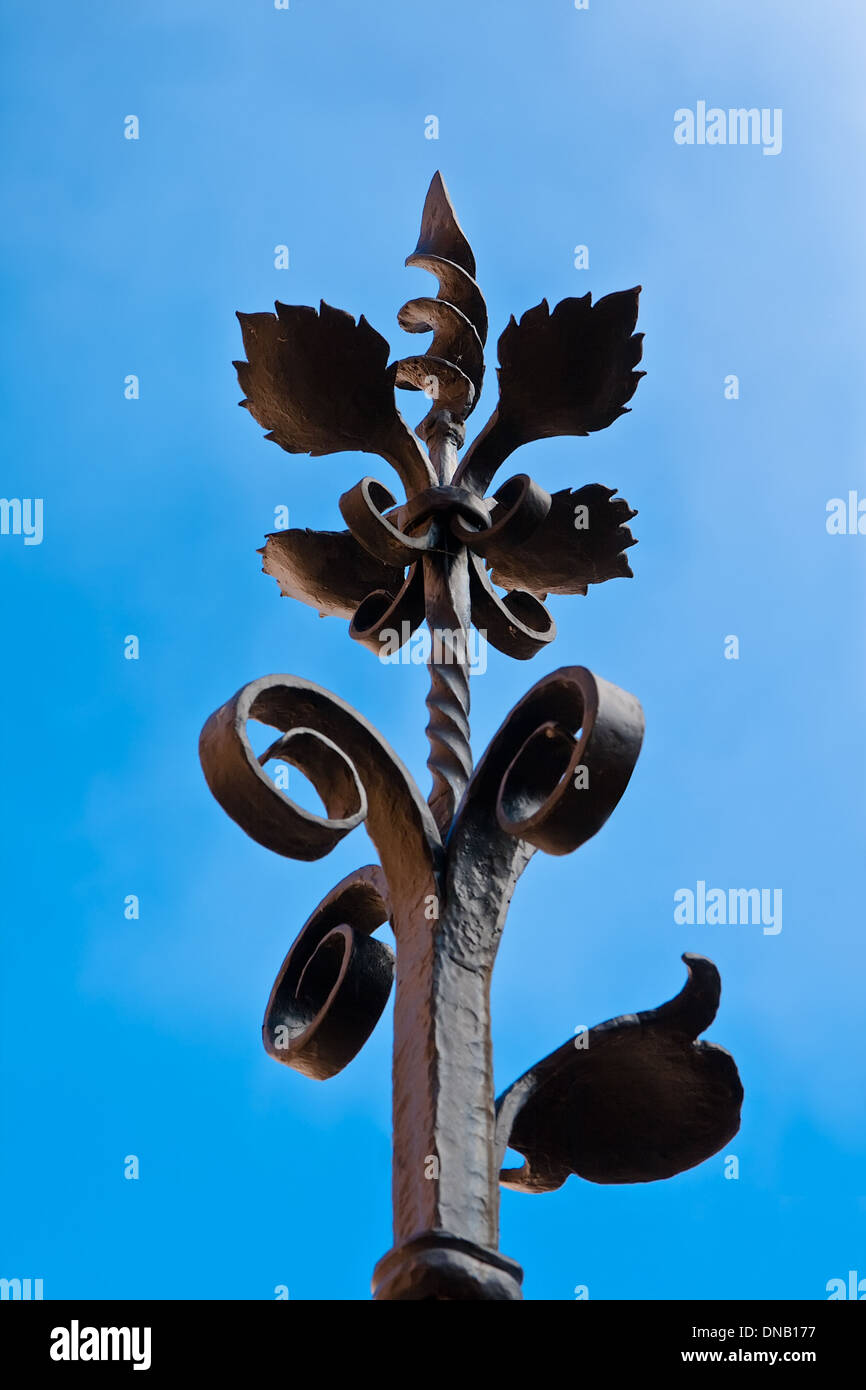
x: 306, y: 128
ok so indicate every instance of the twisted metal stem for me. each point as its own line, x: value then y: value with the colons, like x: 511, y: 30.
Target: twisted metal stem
x: 450, y: 373
x: 446, y: 601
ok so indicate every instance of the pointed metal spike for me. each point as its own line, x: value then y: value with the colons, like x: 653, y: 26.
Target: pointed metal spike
x: 441, y: 233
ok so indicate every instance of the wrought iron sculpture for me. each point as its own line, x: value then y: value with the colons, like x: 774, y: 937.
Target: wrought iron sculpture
x: 639, y: 1098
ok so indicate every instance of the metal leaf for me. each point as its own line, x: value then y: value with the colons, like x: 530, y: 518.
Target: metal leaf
x: 329, y: 570
x: 633, y: 1100
x: 319, y: 383
x: 565, y: 372
x: 581, y: 541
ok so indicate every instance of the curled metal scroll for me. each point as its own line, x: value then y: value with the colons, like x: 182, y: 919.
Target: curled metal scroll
x: 537, y: 807
x: 571, y: 770
x: 334, y: 982
x: 518, y: 509
x: 363, y: 508
x: 345, y: 758
x: 516, y: 623
x: 398, y: 616
x: 452, y: 369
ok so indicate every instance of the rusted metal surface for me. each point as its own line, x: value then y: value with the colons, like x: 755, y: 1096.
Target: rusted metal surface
x: 644, y: 1099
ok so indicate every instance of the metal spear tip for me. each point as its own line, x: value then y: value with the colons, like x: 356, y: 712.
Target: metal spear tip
x: 441, y: 233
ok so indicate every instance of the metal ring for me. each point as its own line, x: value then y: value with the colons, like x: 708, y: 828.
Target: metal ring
x: 521, y: 507
x: 362, y: 508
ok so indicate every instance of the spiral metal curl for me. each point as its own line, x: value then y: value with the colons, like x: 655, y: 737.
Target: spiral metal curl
x: 452, y: 369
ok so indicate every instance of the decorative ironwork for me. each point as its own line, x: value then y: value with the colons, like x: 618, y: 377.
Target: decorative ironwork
x: 642, y: 1099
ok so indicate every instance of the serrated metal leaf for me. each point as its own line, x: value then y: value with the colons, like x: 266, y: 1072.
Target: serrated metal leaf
x: 319, y: 383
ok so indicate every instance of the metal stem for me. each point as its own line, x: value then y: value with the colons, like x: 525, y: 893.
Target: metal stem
x: 446, y: 597
x: 446, y: 1190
